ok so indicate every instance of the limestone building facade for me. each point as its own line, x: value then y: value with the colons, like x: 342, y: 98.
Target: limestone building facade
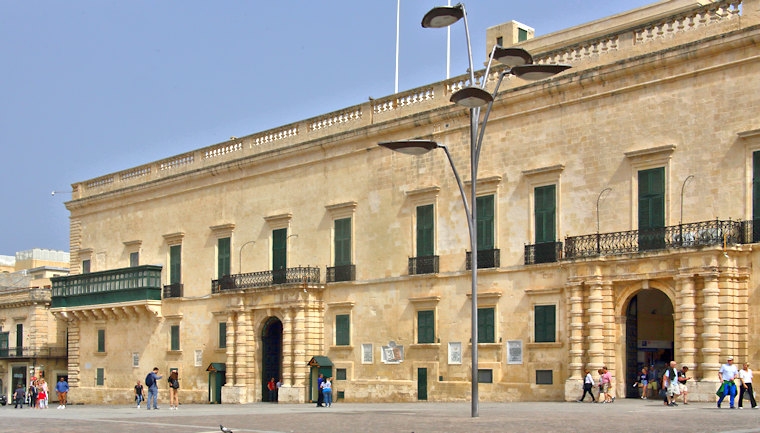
x: 616, y: 204
x: 32, y: 341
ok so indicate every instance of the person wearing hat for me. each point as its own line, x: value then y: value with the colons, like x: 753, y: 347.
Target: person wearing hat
x: 728, y: 373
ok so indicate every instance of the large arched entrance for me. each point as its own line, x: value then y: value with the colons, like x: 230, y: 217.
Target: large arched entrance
x: 649, y: 335
x: 271, y: 354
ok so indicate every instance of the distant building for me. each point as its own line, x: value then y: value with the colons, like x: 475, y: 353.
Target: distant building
x: 617, y: 206
x: 32, y: 341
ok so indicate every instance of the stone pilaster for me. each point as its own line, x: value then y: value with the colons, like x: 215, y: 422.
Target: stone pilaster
x: 595, y: 326
x: 241, y: 342
x: 575, y: 367
x: 230, y: 352
x: 287, y: 347
x: 711, y: 327
x: 610, y: 332
x: 74, y: 361
x: 686, y: 327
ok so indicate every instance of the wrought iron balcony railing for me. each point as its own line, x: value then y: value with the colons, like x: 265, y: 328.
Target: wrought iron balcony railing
x: 137, y: 283
x: 33, y: 352
x: 486, y: 259
x: 341, y: 273
x: 299, y: 275
x: 691, y: 235
x: 175, y: 290
x: 751, y: 231
x: 423, y: 265
x: 545, y: 252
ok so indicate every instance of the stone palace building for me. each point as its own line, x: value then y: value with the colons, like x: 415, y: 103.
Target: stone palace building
x: 616, y: 204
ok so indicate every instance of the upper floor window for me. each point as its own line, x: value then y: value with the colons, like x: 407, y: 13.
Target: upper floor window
x: 86, y: 266
x: 342, y: 330
x: 485, y: 224
x: 486, y: 325
x: 545, y: 328
x: 426, y: 326
x: 223, y: 257
x: 134, y: 259
x: 342, y: 239
x: 175, y: 264
x: 545, y: 213
x: 425, y: 231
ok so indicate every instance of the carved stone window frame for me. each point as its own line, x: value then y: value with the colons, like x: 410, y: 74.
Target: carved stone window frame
x: 645, y: 159
x: 536, y: 178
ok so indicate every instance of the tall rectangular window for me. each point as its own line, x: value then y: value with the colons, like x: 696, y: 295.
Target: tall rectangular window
x: 342, y: 330
x: 343, y: 242
x: 134, y: 259
x: 425, y: 230
x: 100, y: 375
x: 222, y: 335
x: 426, y: 326
x: 485, y: 223
x: 174, y: 337
x: 19, y: 339
x: 222, y: 257
x: 175, y: 264
x: 86, y: 266
x: 545, y: 213
x: 4, y: 342
x: 101, y: 340
x: 545, y: 323
x: 652, y: 208
x: 486, y: 325
x: 279, y: 249
x: 756, y: 196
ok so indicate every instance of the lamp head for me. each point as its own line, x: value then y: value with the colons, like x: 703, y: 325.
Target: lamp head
x: 442, y: 16
x: 410, y: 147
x: 512, y: 56
x: 538, y: 72
x: 471, y: 97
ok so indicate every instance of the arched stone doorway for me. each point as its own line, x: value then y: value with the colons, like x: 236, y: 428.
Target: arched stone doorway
x: 271, y: 354
x: 649, y: 335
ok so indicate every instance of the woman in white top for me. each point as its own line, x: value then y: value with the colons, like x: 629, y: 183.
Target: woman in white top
x: 745, y: 374
x: 588, y: 385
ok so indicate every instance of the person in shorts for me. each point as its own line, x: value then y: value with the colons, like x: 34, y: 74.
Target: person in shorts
x: 683, y: 377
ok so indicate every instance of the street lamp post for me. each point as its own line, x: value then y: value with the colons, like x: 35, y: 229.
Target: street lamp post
x: 519, y: 63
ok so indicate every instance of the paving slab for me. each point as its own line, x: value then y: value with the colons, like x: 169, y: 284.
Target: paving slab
x: 632, y: 415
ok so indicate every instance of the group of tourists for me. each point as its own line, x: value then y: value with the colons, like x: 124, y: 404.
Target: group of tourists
x: 37, y: 395
x: 670, y: 384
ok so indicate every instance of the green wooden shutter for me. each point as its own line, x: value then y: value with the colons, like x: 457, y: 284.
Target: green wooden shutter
x: 174, y: 337
x: 756, y: 185
x: 545, y: 209
x: 101, y: 340
x: 652, y: 209
x: 175, y: 264
x: 222, y: 335
x: 486, y: 328
x: 426, y: 326
x: 4, y: 339
x: 279, y: 249
x: 425, y: 230
x: 485, y: 216
x: 545, y: 323
x: 342, y: 330
x: 343, y: 242
x: 223, y: 257
x: 99, y: 376
x: 652, y: 198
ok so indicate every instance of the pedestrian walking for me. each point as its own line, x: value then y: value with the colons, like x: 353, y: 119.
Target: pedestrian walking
x: 745, y: 374
x: 588, y: 385
x: 62, y: 389
x: 139, y: 394
x: 728, y: 373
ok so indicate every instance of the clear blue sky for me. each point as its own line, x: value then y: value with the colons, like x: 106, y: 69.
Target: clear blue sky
x: 91, y: 87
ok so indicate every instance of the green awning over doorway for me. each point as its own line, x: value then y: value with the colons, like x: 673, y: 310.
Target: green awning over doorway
x: 217, y: 366
x: 320, y: 361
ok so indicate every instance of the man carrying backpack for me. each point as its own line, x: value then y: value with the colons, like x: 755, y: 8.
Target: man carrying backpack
x: 150, y: 382
x: 670, y: 384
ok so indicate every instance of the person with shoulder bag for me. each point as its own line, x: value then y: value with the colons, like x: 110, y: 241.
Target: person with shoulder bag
x: 174, y: 390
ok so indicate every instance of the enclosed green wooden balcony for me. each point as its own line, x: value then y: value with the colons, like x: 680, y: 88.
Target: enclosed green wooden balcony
x: 139, y: 283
